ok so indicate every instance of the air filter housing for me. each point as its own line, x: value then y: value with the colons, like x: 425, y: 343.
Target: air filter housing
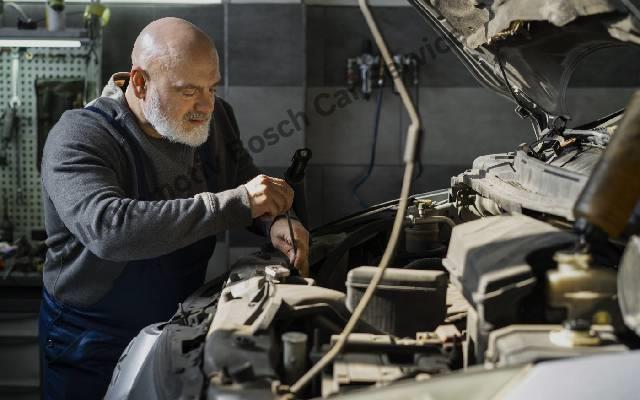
x: 406, y: 301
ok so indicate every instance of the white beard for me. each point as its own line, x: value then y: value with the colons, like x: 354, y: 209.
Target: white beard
x: 175, y: 131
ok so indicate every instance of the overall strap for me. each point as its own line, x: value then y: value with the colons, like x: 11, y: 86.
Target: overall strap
x: 135, y: 149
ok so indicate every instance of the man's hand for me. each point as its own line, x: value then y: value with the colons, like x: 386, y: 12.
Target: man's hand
x: 268, y: 196
x: 282, y: 241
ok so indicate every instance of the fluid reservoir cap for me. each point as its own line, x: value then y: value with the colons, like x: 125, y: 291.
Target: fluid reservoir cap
x: 572, y: 260
x: 276, y: 272
x: 294, y: 337
x: 629, y: 285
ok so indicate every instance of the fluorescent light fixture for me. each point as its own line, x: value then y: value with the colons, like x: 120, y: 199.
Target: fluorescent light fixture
x: 107, y: 2
x: 39, y: 43
x: 176, y: 2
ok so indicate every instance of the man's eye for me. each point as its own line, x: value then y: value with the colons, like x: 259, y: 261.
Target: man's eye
x: 188, y: 93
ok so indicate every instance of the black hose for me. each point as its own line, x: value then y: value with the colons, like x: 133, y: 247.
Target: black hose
x: 374, y: 145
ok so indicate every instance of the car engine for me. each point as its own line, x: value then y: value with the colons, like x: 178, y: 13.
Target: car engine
x: 474, y: 282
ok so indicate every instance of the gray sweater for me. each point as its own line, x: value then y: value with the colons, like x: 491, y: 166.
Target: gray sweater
x: 94, y: 220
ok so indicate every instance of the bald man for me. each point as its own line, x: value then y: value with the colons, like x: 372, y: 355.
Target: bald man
x: 136, y: 185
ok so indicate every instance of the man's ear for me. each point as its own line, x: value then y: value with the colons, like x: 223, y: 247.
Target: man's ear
x: 138, y: 82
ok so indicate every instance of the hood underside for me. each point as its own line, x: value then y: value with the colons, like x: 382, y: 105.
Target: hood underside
x: 527, y: 50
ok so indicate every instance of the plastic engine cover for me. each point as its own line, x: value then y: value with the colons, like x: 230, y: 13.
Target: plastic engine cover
x: 487, y: 261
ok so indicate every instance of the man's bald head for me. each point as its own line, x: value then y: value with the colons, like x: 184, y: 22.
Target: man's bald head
x: 173, y: 79
x: 164, y: 43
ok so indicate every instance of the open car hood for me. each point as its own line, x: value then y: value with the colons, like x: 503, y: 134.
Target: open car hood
x: 534, y: 45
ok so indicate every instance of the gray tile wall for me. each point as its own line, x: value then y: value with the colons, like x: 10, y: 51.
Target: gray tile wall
x: 270, y: 120
x: 266, y: 45
x: 336, y: 33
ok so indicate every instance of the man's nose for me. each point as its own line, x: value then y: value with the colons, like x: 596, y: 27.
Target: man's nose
x: 205, y: 103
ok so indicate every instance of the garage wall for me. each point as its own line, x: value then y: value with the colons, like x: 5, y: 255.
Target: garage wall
x: 457, y: 113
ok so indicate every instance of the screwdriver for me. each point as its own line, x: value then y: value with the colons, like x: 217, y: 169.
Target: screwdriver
x: 294, y: 176
x: 293, y: 240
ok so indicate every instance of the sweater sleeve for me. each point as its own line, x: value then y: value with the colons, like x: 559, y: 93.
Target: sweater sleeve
x: 247, y: 170
x: 84, y: 176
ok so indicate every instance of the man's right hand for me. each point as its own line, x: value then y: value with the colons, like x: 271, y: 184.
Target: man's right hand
x: 269, y: 196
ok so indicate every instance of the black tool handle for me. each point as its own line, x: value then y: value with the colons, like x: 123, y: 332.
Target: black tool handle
x: 295, y: 172
x: 295, y: 177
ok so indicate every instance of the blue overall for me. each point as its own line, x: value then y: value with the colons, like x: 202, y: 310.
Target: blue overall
x: 81, y: 346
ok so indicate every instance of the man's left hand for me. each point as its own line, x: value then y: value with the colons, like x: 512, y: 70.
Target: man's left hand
x: 282, y: 241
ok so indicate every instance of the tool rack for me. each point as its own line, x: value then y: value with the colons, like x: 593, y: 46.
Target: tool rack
x: 19, y: 178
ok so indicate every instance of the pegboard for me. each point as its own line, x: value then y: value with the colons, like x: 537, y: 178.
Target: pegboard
x: 81, y: 63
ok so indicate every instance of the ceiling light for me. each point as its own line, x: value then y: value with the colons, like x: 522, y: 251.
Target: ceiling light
x: 39, y: 43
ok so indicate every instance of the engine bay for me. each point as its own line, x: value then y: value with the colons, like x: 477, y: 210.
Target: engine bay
x: 474, y: 283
